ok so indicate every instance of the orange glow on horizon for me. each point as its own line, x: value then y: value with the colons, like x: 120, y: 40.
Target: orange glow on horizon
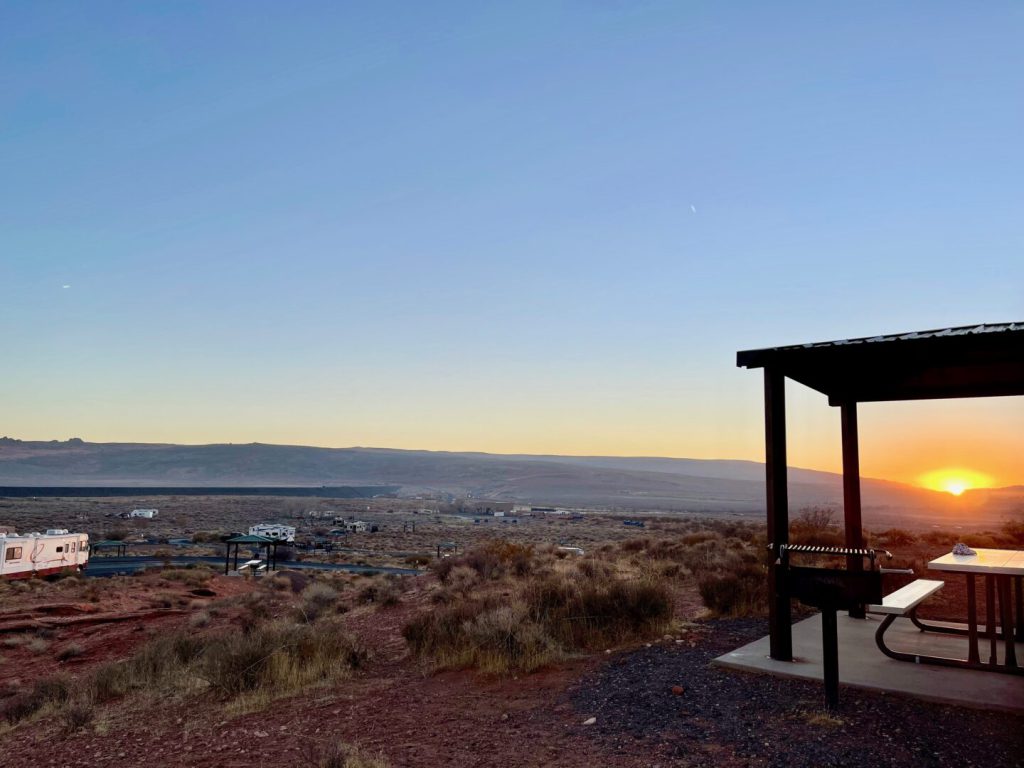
x: 955, y: 480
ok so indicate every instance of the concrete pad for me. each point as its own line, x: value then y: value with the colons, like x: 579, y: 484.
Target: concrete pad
x: 862, y: 665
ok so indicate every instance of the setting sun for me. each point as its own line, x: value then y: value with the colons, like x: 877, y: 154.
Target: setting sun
x: 954, y: 481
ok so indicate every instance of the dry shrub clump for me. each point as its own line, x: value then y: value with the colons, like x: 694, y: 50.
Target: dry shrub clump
x: 192, y: 576
x: 493, y: 561
x: 816, y: 525
x: 339, y: 755
x: 317, y: 599
x: 742, y: 591
x: 279, y: 658
x: 50, y: 692
x: 70, y: 651
x: 537, y: 621
x: 896, y: 537
x: 485, y: 634
x: 267, y: 661
x: 385, y: 592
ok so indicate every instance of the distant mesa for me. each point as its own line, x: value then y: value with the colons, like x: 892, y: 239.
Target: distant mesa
x: 609, y: 482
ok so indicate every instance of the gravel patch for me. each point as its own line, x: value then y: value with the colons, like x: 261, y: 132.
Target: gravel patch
x: 723, y: 717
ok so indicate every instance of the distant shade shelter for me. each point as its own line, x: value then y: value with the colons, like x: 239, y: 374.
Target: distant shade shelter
x: 971, y: 361
x: 255, y: 542
x: 120, y: 547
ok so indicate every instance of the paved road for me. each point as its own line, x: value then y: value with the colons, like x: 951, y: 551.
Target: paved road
x: 109, y: 566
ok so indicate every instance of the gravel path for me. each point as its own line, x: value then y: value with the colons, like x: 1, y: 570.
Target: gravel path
x: 728, y: 718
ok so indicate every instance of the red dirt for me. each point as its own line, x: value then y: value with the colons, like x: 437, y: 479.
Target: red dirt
x: 393, y: 706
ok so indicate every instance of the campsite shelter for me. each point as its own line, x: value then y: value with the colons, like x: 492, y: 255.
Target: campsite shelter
x: 255, y: 542
x: 120, y: 547
x: 974, y: 361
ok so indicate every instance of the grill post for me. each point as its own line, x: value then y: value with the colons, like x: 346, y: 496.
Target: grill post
x: 830, y: 656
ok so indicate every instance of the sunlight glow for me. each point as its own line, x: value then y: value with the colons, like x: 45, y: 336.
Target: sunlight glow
x: 954, y: 480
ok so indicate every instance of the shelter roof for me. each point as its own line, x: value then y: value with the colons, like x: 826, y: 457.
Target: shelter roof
x: 252, y: 539
x: 971, y: 361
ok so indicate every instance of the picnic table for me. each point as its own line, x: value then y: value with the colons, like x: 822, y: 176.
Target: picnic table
x: 1003, y: 571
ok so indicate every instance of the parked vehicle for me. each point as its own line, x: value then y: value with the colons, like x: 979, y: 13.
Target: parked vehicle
x: 22, y: 556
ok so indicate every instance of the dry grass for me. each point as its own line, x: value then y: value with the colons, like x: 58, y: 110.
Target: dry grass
x: 317, y: 600
x: 267, y: 662
x: 509, y: 608
x: 70, y: 651
x: 339, y: 755
x: 823, y: 719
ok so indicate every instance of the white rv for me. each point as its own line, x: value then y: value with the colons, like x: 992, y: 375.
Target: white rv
x: 147, y: 513
x: 274, y: 531
x: 42, y: 553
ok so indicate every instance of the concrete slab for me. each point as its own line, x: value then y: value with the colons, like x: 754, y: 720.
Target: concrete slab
x: 862, y: 665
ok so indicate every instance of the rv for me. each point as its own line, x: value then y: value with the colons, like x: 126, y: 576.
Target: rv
x: 146, y: 513
x: 42, y: 553
x: 274, y: 531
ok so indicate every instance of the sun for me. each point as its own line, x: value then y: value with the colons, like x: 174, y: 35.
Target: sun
x: 954, y: 480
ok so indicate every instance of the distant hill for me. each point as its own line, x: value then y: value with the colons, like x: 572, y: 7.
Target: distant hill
x: 629, y: 483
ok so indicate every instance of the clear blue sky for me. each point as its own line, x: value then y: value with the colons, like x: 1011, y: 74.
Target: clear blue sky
x: 510, y: 227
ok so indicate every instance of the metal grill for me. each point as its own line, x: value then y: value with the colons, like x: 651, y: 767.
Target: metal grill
x: 831, y: 590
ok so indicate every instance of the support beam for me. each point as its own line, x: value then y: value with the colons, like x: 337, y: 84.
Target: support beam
x: 851, y: 491
x: 779, y: 607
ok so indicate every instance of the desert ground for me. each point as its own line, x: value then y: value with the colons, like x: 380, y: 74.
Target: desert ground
x: 510, y: 652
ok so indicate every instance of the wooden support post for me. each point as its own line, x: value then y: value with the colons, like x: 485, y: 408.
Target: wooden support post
x: 851, y: 492
x: 779, y: 608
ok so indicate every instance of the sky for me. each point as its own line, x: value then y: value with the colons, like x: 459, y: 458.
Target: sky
x: 511, y: 227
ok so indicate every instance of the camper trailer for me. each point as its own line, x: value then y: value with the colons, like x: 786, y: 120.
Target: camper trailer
x: 274, y: 531
x: 32, y: 554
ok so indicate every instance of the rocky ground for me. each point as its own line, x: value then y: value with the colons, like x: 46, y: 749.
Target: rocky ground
x: 653, y: 704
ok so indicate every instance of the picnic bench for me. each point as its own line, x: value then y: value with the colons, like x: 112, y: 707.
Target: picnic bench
x: 904, y: 602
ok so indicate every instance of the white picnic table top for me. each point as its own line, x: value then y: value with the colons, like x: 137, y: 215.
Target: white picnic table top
x: 1006, y: 562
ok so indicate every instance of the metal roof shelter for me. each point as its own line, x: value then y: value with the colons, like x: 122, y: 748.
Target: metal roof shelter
x: 270, y: 544
x: 971, y: 361
x: 120, y: 547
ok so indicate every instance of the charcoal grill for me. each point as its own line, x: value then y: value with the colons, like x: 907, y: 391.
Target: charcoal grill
x: 831, y: 590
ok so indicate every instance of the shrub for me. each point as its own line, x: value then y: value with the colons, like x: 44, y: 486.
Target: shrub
x: 939, y: 538
x: 700, y: 536
x: 984, y: 540
x: 541, y: 621
x: 1013, y: 530
x: 816, y: 525
x: 109, y: 681
x: 491, y: 561
x: 594, y: 569
x: 192, y: 576
x: 70, y: 651
x: 462, y: 579
x: 385, y: 592
x: 317, y: 599
x: 54, y: 691
x: 337, y: 755
x: 740, y: 592
x: 279, y: 659
x: 897, y: 537
x: 483, y: 634
x: 585, y: 615
x: 77, y: 714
